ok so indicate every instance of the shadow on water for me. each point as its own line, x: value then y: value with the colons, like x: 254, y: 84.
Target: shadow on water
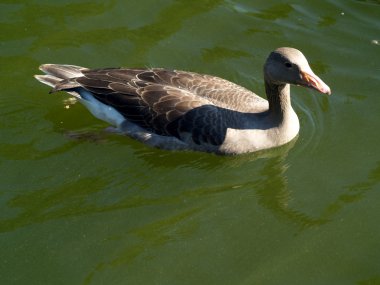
x: 270, y: 186
x: 73, y: 198
x: 354, y: 192
x: 273, y: 195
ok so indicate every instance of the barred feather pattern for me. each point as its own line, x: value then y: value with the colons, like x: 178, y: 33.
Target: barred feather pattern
x: 169, y: 102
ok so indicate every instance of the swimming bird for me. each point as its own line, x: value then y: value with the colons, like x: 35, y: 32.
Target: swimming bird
x: 180, y: 110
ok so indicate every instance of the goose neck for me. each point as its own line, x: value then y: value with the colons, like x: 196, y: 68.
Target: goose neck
x: 278, y: 96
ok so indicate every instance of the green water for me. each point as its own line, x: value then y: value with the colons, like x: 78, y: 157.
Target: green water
x: 82, y: 206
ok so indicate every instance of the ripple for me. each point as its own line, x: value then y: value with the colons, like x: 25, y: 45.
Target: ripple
x: 313, y: 113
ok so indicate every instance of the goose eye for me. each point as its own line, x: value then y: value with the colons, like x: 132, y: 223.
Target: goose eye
x: 288, y: 64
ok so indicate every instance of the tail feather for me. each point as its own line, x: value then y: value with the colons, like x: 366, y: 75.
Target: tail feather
x: 58, y: 77
x: 49, y: 80
x: 62, y: 71
x: 63, y: 77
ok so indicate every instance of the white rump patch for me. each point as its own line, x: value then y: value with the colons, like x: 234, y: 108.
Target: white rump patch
x: 101, y: 111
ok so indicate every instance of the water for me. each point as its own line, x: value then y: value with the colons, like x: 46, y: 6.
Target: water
x: 81, y: 206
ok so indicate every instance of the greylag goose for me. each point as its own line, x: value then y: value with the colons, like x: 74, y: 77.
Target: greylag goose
x: 172, y: 109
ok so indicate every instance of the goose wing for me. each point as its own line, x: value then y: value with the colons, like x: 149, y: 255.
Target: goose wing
x: 163, y: 101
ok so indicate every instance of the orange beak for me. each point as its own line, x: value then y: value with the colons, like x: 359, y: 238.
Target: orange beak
x: 309, y: 79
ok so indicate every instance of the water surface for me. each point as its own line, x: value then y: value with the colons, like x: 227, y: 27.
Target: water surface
x: 82, y: 206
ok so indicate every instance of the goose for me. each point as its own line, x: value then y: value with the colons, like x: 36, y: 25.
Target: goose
x: 180, y: 110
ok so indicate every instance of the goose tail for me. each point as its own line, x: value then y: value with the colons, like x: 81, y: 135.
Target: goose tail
x: 58, y: 76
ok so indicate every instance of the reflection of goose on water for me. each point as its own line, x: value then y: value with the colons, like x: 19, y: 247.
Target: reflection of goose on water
x: 174, y: 109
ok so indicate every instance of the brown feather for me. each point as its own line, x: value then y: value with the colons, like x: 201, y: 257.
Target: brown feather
x: 167, y: 102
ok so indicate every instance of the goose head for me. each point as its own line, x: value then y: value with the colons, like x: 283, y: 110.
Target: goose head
x: 289, y: 66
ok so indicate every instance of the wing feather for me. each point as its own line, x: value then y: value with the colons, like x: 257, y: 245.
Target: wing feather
x: 167, y: 102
